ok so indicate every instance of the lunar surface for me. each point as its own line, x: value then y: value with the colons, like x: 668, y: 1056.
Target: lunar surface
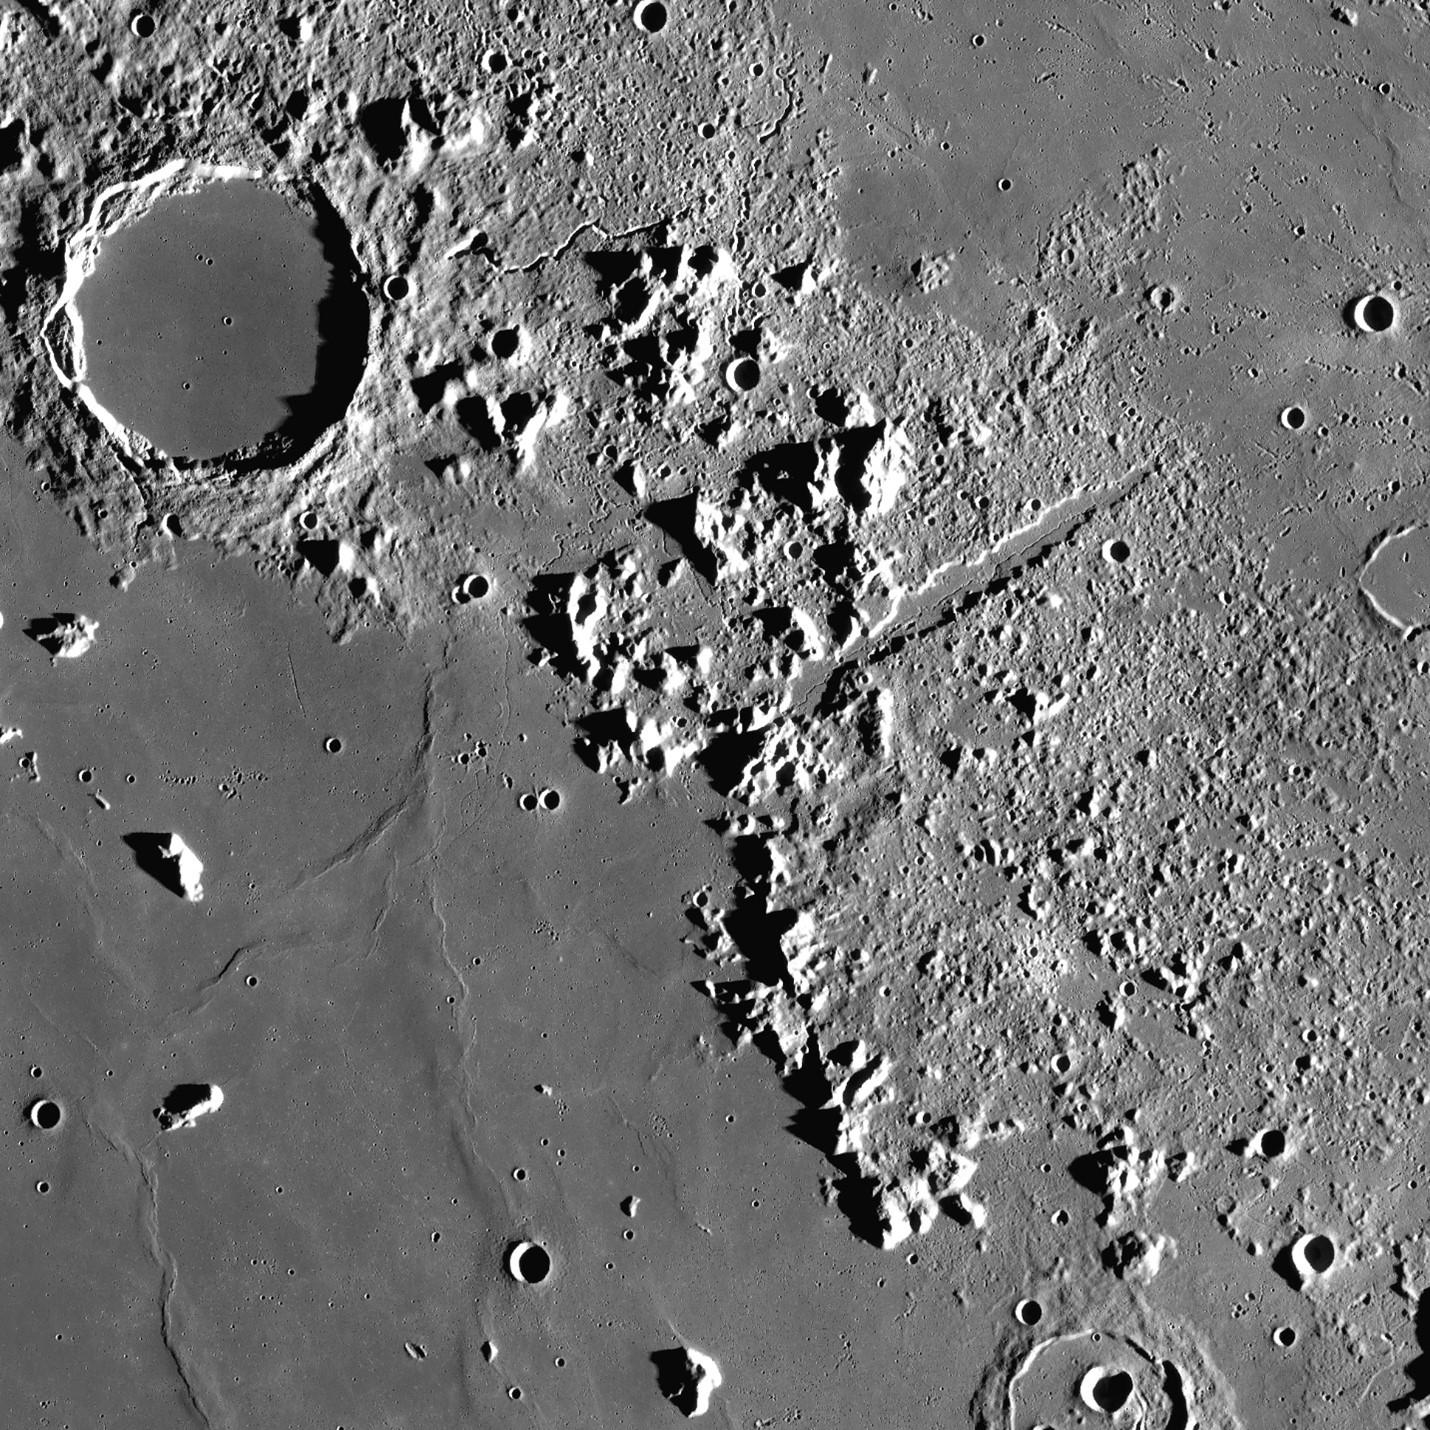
x: 715, y: 709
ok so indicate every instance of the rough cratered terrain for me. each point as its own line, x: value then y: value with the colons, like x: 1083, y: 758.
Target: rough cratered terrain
x: 887, y: 539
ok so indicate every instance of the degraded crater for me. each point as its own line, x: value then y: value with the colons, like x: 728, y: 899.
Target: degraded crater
x: 1395, y: 581
x: 1098, y: 1376
x: 213, y: 318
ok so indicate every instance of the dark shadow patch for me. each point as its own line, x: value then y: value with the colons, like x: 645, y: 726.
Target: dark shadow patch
x: 791, y: 278
x: 725, y: 758
x: 853, y: 449
x: 786, y: 472
x: 152, y: 857
x: 816, y: 1121
x: 613, y: 268
x: 476, y: 418
x: 548, y: 623
x: 674, y: 1380
x: 36, y: 260
x: 382, y: 126
x: 856, y: 1197
x: 756, y: 932
x: 50, y: 632
x: 342, y: 340
x: 1285, y: 1268
x: 40, y: 14
x: 1113, y: 1391
x: 1178, y: 1415
x: 1417, y: 1370
x: 646, y: 369
x: 1320, y: 1254
x: 321, y: 553
x: 832, y: 407
x: 430, y: 388
x: 1091, y: 1171
x: 517, y: 410
x: 1096, y: 1171
x: 12, y: 143
x: 1123, y: 1254
x: 605, y: 729
x: 676, y: 517
x: 179, y: 1103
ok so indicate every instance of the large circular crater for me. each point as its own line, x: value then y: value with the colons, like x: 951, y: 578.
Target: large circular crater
x: 221, y: 323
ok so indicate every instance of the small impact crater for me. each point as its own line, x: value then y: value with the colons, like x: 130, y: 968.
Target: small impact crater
x: 1374, y: 313
x: 742, y: 375
x: 1106, y: 1389
x: 470, y: 588
x: 1268, y: 1142
x: 46, y: 1114
x: 652, y: 16
x: 1313, y: 1257
x: 529, y: 1262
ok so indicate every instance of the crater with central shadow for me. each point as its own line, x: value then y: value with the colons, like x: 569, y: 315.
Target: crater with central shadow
x: 225, y: 324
